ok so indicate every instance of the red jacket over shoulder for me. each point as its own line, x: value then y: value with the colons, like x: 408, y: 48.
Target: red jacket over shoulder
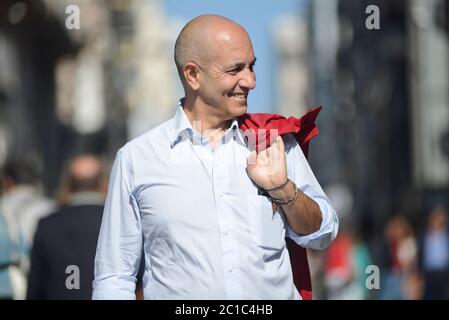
x: 304, y: 129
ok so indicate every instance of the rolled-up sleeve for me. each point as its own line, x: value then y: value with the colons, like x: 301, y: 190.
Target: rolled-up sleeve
x: 119, y: 244
x: 299, y: 171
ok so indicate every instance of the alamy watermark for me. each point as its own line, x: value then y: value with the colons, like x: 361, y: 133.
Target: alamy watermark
x: 373, y: 279
x: 72, y: 282
x: 72, y: 22
x: 372, y: 22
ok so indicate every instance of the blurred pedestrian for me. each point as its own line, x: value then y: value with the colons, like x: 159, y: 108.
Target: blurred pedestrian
x: 434, y: 257
x: 400, y: 280
x: 62, y: 259
x: 345, y: 264
x: 8, y: 261
x: 23, y: 200
x: 22, y: 204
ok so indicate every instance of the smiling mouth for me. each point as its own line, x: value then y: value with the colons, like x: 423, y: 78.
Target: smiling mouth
x: 239, y: 96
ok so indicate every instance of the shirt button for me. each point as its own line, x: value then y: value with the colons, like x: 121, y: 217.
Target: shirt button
x: 231, y: 270
x: 226, y: 233
x: 221, y: 195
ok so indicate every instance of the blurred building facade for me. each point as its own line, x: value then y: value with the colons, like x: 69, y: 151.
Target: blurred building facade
x: 152, y: 97
x: 429, y: 71
x: 293, y: 78
x: 386, y: 115
x: 33, y: 40
x: 65, y: 90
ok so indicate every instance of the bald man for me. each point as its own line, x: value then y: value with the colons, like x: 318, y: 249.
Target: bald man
x: 199, y: 199
x: 63, y: 253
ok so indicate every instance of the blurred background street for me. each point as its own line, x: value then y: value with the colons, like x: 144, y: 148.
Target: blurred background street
x: 382, y: 155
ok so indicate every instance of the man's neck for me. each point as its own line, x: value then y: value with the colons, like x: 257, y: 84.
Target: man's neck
x: 203, y: 121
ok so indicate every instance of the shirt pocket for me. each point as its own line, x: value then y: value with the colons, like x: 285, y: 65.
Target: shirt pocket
x: 265, y: 226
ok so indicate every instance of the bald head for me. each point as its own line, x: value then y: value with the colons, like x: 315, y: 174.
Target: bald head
x: 84, y: 167
x: 198, y: 39
x: 85, y: 173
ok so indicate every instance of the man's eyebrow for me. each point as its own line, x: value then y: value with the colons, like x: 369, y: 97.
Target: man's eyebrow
x: 240, y: 64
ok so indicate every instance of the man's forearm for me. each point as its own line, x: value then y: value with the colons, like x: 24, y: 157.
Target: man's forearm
x: 304, y: 214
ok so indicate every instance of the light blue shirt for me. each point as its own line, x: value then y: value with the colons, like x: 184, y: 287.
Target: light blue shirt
x: 205, y: 231
x: 436, y: 251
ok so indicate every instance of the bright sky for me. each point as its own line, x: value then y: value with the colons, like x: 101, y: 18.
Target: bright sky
x: 256, y: 17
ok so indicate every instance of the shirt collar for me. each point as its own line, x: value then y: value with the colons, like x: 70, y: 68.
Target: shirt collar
x: 238, y: 133
x: 86, y: 198
x: 182, y: 125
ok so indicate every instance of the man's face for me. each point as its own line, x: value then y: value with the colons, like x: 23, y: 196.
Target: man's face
x: 228, y: 75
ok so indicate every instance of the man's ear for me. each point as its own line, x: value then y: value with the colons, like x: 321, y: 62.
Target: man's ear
x: 191, y: 73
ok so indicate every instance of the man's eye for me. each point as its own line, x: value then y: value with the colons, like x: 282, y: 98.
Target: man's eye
x: 237, y: 70
x: 234, y: 71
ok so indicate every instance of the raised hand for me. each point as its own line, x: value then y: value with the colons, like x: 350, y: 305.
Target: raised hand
x: 268, y: 168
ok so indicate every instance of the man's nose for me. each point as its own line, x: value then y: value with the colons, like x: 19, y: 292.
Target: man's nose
x: 248, y: 80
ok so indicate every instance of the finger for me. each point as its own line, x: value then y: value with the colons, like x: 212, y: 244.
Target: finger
x: 252, y: 159
x: 274, y: 150
x: 274, y: 158
x: 263, y: 156
x: 267, y: 151
x: 281, y: 146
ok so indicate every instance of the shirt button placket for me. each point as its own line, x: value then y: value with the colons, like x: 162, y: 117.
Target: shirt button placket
x: 226, y: 224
